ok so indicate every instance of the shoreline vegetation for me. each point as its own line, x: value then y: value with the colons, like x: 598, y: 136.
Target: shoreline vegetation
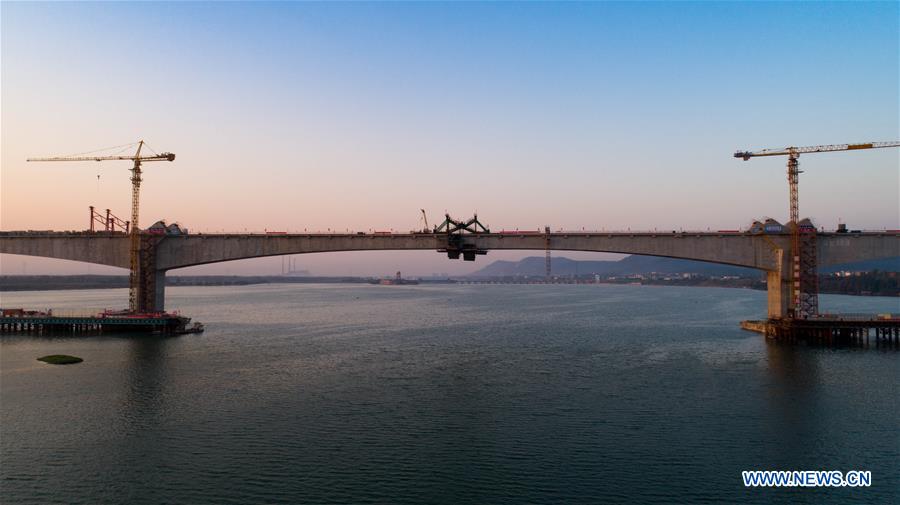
x: 872, y: 283
x: 60, y: 359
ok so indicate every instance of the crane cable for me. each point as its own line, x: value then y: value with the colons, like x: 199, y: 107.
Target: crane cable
x: 151, y: 149
x: 121, y: 148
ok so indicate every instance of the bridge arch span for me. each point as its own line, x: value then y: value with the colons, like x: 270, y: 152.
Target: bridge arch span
x: 734, y: 250
x: 763, y: 252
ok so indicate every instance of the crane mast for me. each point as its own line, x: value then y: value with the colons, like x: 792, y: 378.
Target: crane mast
x: 134, y: 256
x: 134, y: 284
x: 804, y: 299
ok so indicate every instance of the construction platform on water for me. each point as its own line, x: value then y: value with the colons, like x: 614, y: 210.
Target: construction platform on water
x: 832, y: 329
x: 29, y: 321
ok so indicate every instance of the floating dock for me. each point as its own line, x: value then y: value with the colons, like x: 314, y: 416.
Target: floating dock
x: 21, y: 321
x: 832, y: 329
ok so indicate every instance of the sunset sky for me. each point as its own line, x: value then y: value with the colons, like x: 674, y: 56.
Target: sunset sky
x: 310, y: 116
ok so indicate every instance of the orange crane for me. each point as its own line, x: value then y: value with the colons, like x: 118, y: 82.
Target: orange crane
x: 135, y: 234
x: 803, y: 302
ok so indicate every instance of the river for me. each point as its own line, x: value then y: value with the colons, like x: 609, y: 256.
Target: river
x: 451, y: 394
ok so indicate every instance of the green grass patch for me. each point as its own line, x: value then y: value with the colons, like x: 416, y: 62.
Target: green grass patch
x: 60, y: 359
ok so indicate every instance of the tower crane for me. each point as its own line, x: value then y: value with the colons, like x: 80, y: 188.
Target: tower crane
x: 135, y: 233
x: 803, y: 301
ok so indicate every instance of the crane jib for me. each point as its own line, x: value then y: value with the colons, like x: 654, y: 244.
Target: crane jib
x: 796, y: 151
x: 160, y: 157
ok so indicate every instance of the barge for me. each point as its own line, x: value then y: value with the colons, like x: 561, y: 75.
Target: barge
x: 398, y: 280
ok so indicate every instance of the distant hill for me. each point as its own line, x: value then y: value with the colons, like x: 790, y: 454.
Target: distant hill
x: 534, y: 266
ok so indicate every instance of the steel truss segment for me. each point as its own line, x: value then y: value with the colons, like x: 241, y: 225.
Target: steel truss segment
x: 455, y: 230
x: 451, y: 225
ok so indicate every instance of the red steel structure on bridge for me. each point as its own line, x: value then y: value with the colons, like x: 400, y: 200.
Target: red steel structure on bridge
x: 110, y: 222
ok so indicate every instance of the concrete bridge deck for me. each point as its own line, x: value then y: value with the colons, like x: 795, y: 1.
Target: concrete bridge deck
x: 179, y: 251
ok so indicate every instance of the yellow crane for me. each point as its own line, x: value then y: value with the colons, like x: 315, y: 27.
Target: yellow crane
x: 803, y: 303
x: 135, y: 234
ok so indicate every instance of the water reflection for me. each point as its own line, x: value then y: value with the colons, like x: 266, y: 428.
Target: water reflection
x: 793, y: 394
x: 792, y: 365
x: 145, y: 381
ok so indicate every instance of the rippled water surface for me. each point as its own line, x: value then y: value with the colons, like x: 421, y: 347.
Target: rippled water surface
x: 443, y: 394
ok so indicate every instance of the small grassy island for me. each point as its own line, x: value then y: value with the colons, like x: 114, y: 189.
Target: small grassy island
x: 60, y: 359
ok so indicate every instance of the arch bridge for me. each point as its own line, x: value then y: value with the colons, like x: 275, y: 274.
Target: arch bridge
x: 161, y: 253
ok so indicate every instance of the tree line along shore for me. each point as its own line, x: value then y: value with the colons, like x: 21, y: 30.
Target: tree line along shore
x: 872, y: 283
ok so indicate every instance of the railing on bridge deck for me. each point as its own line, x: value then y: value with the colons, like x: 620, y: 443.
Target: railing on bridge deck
x: 375, y: 233
x: 854, y: 316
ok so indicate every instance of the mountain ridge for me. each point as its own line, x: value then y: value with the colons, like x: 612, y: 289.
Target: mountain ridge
x: 634, y: 264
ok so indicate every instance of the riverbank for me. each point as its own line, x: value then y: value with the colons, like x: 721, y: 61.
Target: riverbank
x: 64, y: 282
x: 875, y: 283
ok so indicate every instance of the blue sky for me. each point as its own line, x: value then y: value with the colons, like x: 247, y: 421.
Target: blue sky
x: 355, y: 115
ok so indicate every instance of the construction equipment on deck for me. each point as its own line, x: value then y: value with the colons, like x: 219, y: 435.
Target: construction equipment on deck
x: 135, y: 235
x: 456, y: 246
x: 804, y: 300
x: 426, y: 229
x: 110, y: 222
x: 451, y: 225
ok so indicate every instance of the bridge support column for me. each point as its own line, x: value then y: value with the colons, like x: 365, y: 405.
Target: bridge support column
x: 778, y: 284
x: 779, y: 289
x: 159, y: 293
x: 151, y: 288
x: 152, y: 291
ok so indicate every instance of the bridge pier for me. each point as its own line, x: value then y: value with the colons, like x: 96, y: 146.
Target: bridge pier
x: 778, y: 287
x: 152, y: 292
x: 151, y: 289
